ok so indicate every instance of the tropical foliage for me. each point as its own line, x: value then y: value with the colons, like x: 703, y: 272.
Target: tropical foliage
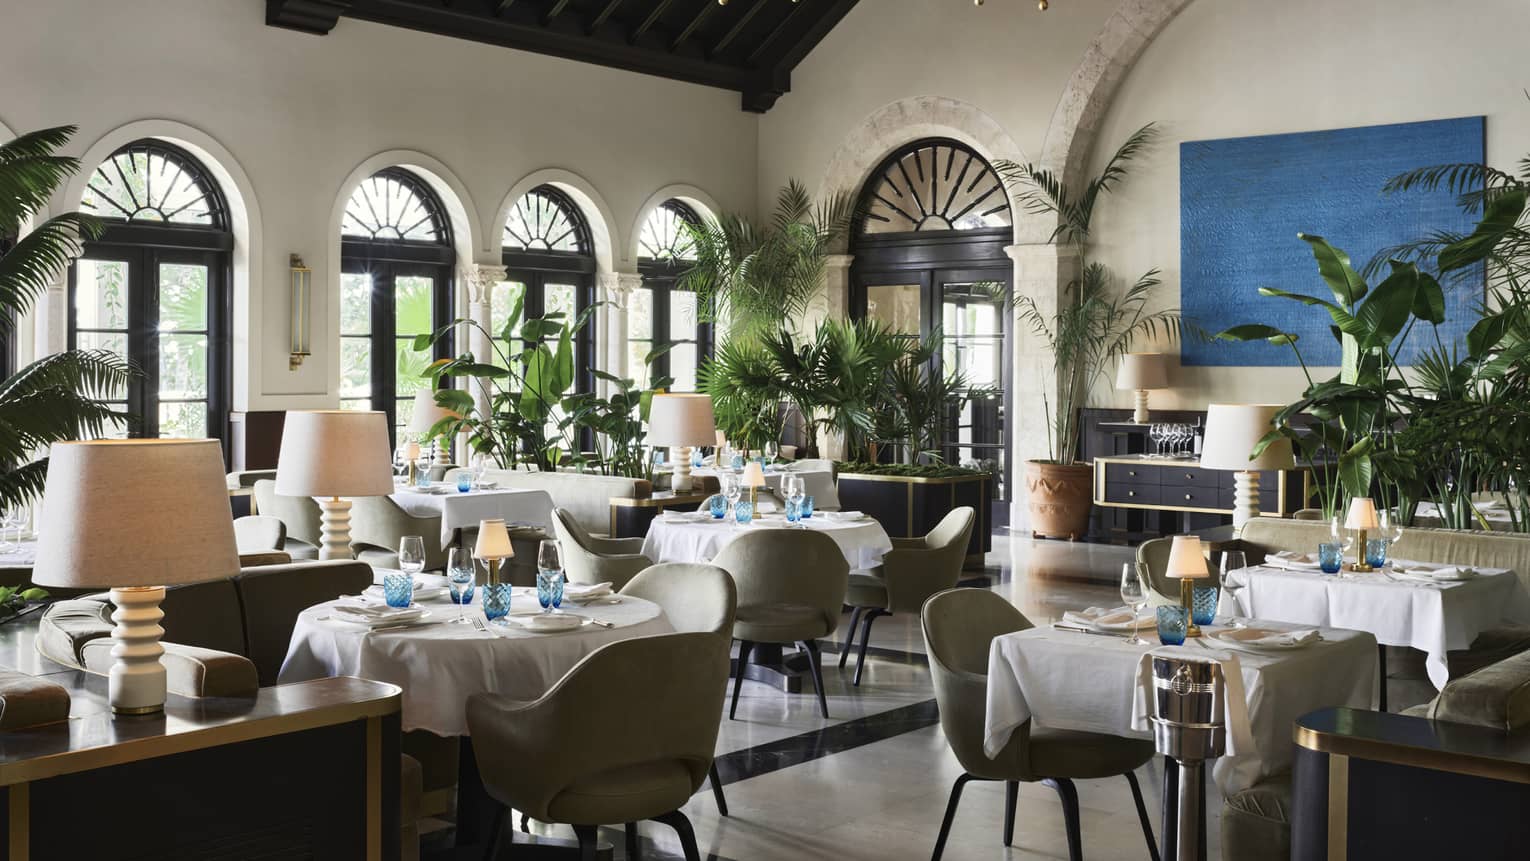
x: 54, y: 398
x: 1095, y: 323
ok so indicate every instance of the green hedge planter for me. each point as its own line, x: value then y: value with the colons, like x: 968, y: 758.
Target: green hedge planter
x: 908, y: 506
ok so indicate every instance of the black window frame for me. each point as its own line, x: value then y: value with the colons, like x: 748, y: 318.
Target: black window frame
x: 661, y: 276
x: 536, y: 270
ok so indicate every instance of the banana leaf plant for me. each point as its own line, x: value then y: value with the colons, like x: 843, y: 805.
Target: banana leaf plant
x: 746, y: 393
x: 618, y: 423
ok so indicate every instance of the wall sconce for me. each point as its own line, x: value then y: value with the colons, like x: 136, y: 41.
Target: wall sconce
x: 302, y: 294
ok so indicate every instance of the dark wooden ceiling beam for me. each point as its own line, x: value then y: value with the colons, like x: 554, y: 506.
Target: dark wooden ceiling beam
x: 554, y: 11
x: 798, y: 10
x: 306, y: 16
x: 653, y: 18
x: 737, y: 28
x: 603, y: 15
x: 796, y: 49
x: 707, y: 7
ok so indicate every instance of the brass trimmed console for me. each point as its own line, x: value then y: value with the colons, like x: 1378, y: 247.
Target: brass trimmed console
x: 1183, y: 486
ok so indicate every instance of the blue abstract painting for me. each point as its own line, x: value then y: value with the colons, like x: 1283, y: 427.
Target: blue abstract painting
x: 1243, y: 200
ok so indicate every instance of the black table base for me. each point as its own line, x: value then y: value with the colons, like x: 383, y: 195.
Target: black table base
x: 769, y: 664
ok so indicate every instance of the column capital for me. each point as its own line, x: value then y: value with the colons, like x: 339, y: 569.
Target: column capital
x: 1034, y: 252
x: 619, y: 285
x: 838, y: 261
x: 480, y: 278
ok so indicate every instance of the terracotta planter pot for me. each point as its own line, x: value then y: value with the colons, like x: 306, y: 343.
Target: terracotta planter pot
x: 1059, y: 498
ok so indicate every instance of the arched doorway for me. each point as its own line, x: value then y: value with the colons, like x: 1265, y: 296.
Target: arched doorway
x: 929, y: 257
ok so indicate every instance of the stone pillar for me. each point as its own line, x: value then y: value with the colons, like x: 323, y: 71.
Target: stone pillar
x: 479, y: 278
x: 1042, y: 272
x: 832, y: 301
x: 616, y: 288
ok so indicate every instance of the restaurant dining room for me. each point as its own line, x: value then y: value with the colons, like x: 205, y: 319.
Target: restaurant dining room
x: 764, y: 430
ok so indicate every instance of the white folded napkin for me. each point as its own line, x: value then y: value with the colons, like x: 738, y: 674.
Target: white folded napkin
x: 374, y: 616
x: 841, y: 515
x: 1293, y: 560
x: 1117, y: 618
x: 687, y: 516
x: 586, y: 591
x: 551, y: 622
x: 1266, y: 637
x: 1425, y: 572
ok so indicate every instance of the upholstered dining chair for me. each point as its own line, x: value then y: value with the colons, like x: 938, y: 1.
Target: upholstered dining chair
x: 910, y: 573
x: 693, y: 598
x: 377, y: 525
x: 587, y: 559
x: 959, y: 625
x: 791, y: 586
x: 1153, y: 566
x: 561, y: 759
x: 299, y: 514
x: 259, y: 533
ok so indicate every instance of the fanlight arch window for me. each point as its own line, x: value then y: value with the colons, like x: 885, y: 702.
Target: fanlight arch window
x: 934, y: 185
x: 153, y: 288
x: 660, y: 312
x: 544, y: 219
x: 396, y: 268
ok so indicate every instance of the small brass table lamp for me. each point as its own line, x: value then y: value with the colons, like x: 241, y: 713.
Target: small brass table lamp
x: 1187, y: 563
x: 493, y: 545
x: 1362, y: 516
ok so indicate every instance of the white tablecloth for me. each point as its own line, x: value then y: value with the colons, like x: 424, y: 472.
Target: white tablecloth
x: 1433, y: 618
x: 814, y: 481
x: 1091, y: 683
x: 23, y: 556
x: 440, y: 665
x: 863, y: 542
x: 1497, y: 517
x: 463, y: 510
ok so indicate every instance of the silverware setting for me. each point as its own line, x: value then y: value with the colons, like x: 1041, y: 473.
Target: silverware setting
x: 1077, y: 630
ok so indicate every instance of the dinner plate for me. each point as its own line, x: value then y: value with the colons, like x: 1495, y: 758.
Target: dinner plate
x: 1243, y: 638
x: 549, y: 622
x: 409, y: 622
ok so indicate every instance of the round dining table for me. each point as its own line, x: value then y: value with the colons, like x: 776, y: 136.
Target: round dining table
x: 684, y: 536
x: 440, y: 663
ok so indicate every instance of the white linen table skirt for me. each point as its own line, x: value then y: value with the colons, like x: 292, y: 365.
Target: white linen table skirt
x: 439, y: 665
x: 864, y: 542
x: 1092, y: 683
x: 459, y: 510
x: 17, y: 554
x: 1431, y: 617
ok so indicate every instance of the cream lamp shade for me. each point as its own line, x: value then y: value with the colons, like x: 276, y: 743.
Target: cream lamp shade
x: 334, y: 453
x: 754, y: 475
x: 493, y: 540
x: 427, y: 412
x: 135, y: 515
x: 1362, y: 515
x: 681, y: 420
x: 1232, y: 431
x: 1186, y: 561
x: 1143, y: 371
x: 412, y: 451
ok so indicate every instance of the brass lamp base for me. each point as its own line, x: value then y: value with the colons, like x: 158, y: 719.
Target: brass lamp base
x: 493, y: 579
x: 1187, y: 598
x: 1359, y: 566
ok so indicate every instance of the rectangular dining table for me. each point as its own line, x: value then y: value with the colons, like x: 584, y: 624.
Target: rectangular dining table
x: 1093, y: 683
x: 1434, y: 618
x: 459, y: 510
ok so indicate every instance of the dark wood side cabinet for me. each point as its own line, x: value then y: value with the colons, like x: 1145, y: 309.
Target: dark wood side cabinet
x: 255, y: 439
x: 910, y: 506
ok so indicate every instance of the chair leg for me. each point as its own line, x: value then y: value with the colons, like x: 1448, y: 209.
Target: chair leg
x: 676, y: 820
x: 1011, y: 800
x: 1142, y: 816
x: 1069, y: 795
x: 815, y: 664
x: 844, y: 648
x: 525, y: 828
x: 860, y: 658
x: 632, y: 841
x: 496, y: 828
x: 717, y: 793
x: 589, y: 841
x: 945, y: 824
x: 744, y: 648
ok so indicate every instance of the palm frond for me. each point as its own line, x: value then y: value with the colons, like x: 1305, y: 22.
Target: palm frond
x: 32, y: 264
x: 1465, y: 180
x: 29, y: 172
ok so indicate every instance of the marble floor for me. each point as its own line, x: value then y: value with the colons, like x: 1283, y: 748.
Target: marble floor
x: 871, y: 782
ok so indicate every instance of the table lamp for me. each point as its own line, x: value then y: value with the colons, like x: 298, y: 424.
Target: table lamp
x: 412, y: 463
x: 427, y: 413
x: 493, y: 545
x: 753, y: 477
x: 1187, y: 562
x: 681, y: 421
x: 1141, y: 372
x: 1362, y: 516
x: 1232, y: 431
x: 135, y: 516
x: 329, y: 454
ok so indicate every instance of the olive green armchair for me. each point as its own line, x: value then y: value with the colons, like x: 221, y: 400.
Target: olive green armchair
x: 587, y: 559
x: 378, y: 524
x: 910, y: 573
x: 300, y: 514
x: 959, y: 626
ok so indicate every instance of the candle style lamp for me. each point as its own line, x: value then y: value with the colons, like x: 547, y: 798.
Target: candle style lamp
x: 329, y: 454
x: 135, y: 516
x: 1141, y: 372
x: 753, y: 477
x: 412, y: 463
x: 1187, y: 563
x: 1232, y: 431
x: 1362, y: 516
x: 681, y: 422
x: 427, y: 413
x: 493, y: 545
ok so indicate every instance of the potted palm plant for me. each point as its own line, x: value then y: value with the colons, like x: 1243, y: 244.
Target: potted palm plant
x: 1094, y: 324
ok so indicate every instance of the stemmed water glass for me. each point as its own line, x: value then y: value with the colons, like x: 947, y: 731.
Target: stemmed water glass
x: 1233, y: 563
x: 771, y: 450
x: 411, y: 554
x: 733, y: 488
x: 459, y: 573
x: 11, y: 517
x: 792, y: 485
x: 1135, y: 596
x: 549, y: 575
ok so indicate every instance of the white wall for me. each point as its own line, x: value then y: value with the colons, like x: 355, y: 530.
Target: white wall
x: 1226, y: 68
x: 298, y: 114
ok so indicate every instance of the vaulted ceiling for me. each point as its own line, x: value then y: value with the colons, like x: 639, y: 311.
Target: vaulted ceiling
x: 750, y: 46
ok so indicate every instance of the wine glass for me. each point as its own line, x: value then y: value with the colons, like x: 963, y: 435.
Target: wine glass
x: 1156, y: 434
x: 10, y: 516
x: 411, y: 554
x: 459, y: 574
x: 1391, y: 527
x: 733, y: 488
x: 549, y: 575
x: 795, y: 493
x: 1233, y: 582
x: 1135, y: 596
x: 771, y: 450
x: 1341, y: 536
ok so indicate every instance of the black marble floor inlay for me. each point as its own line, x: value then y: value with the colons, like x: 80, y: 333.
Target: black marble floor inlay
x: 816, y: 744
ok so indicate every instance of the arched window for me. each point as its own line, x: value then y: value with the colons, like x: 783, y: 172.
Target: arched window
x: 929, y: 256
x: 660, y: 312
x: 154, y: 288
x: 396, y: 260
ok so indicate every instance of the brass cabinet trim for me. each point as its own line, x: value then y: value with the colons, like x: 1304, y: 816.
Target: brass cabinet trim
x: 19, y: 841
x: 1338, y: 808
x: 1415, y: 757
x: 917, y: 479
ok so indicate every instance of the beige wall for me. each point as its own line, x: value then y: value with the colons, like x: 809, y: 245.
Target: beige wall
x: 296, y: 115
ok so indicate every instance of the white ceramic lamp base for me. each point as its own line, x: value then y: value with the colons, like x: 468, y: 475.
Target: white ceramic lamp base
x: 682, y: 482
x: 335, y: 528
x: 1140, y: 406
x: 443, y: 453
x: 1245, y: 497
x: 136, y: 683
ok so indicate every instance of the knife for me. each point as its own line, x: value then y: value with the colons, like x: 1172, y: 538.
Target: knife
x: 1059, y: 626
